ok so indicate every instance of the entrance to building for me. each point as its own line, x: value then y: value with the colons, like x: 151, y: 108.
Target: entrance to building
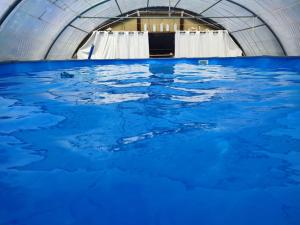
x: 162, y: 45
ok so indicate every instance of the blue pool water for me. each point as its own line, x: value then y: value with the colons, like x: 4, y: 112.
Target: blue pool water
x: 150, y: 142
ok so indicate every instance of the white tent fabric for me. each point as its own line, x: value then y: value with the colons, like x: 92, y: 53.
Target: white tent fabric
x: 115, y: 45
x: 205, y: 44
x: 53, y: 29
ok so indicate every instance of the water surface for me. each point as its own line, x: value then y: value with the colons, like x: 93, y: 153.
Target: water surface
x: 154, y: 142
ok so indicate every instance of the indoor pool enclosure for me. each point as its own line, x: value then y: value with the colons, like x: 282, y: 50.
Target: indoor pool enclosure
x: 150, y: 112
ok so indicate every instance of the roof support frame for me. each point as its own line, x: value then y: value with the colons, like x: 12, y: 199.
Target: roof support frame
x: 233, y: 2
x: 77, y: 28
x: 119, y: 19
x: 249, y: 10
x: 213, y: 24
x: 213, y: 5
x: 254, y: 15
x: 201, y: 17
x: 78, y: 16
x: 248, y: 28
x: 264, y: 22
x: 17, y: 2
x: 177, y: 3
x: 131, y: 15
x: 165, y: 17
x: 9, y: 11
x: 116, y: 1
x: 189, y: 14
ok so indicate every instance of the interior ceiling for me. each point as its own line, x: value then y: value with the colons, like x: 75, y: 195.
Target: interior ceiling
x: 53, y: 29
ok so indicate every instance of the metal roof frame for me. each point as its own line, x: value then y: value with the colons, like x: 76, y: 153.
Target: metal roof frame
x: 65, y: 27
x: 9, y: 11
x: 18, y: 2
x: 191, y: 15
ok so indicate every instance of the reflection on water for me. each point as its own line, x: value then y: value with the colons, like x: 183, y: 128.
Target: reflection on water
x: 116, y: 84
x: 153, y: 143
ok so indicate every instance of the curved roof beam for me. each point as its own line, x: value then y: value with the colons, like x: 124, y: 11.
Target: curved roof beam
x: 231, y: 1
x: 264, y: 22
x: 118, y: 6
x: 130, y: 13
x: 249, y: 10
x: 133, y: 12
x: 213, y: 5
x: 17, y: 2
x: 9, y: 11
x: 60, y: 33
x: 177, y: 3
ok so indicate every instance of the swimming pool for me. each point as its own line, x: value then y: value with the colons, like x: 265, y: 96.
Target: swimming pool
x: 150, y: 142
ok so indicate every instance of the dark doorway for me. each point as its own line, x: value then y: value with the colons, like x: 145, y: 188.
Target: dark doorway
x: 161, y: 45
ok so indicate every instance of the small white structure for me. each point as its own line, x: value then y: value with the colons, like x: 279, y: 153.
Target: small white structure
x: 161, y: 27
x: 167, y: 27
x: 175, y: 27
x: 154, y: 28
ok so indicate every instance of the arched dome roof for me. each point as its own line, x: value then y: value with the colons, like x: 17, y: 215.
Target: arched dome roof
x: 53, y: 29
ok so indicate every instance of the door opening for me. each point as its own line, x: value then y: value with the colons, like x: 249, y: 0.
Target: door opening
x: 161, y: 44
